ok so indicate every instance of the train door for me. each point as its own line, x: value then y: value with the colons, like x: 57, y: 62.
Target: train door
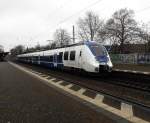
x: 80, y: 59
x: 32, y: 59
x: 39, y: 59
x: 55, y: 60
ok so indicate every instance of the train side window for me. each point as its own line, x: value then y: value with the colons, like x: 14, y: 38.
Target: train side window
x: 80, y: 53
x: 60, y: 56
x: 72, y: 55
x: 36, y: 58
x: 41, y: 58
x: 66, y: 56
x: 46, y: 58
x: 51, y: 58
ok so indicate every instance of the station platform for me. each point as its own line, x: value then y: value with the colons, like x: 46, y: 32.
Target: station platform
x: 25, y: 98
x: 34, y: 97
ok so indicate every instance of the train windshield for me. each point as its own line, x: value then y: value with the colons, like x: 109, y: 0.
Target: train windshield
x: 98, y: 50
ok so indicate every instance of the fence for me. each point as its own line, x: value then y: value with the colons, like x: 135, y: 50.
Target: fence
x: 130, y: 58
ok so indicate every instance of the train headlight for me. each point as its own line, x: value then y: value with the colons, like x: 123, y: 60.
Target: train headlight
x: 103, y: 63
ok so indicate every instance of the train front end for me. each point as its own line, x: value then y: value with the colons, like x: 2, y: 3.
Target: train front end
x: 101, y: 57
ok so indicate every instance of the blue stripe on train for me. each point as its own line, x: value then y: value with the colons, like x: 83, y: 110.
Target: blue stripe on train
x: 51, y: 65
x: 60, y: 65
x: 35, y: 62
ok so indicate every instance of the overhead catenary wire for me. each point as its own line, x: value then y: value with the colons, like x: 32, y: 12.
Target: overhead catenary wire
x: 141, y: 10
x: 80, y: 11
x: 60, y: 7
x: 77, y: 13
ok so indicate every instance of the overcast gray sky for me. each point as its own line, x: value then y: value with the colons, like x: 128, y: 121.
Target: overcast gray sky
x: 27, y: 22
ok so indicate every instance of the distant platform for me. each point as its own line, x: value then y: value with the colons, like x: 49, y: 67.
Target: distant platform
x: 133, y: 68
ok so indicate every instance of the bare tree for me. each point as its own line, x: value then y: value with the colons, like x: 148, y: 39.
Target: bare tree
x: 61, y: 37
x: 122, y: 27
x: 89, y: 27
x: 53, y: 45
x: 144, y: 34
x: 17, y: 50
x: 37, y: 47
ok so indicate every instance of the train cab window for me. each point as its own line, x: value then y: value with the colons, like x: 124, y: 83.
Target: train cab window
x: 98, y: 50
x: 72, y: 55
x: 66, y: 56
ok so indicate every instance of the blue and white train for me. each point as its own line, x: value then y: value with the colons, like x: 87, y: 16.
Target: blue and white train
x: 89, y: 56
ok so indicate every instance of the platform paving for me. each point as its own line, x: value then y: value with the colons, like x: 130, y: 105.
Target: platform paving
x: 25, y: 99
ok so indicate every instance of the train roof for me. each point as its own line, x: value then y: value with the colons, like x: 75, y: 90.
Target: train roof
x: 77, y: 44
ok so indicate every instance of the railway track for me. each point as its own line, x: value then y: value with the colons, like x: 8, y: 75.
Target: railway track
x: 122, y: 89
x: 139, y: 82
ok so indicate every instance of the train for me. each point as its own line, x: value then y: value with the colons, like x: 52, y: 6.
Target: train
x: 88, y: 56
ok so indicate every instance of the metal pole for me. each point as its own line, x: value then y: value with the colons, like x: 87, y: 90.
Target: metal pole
x: 73, y: 34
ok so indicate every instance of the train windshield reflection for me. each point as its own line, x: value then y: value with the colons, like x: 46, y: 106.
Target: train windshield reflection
x: 98, y: 50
